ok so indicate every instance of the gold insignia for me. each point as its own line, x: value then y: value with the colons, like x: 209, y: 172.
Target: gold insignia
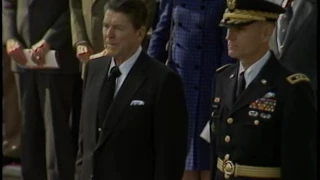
x: 98, y: 55
x: 231, y: 4
x: 222, y: 67
x: 249, y: 15
x: 298, y: 77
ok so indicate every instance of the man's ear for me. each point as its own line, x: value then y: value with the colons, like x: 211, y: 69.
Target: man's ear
x: 141, y: 33
x: 267, y: 31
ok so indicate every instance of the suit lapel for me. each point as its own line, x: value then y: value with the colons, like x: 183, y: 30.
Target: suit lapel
x: 133, y: 81
x: 259, y: 86
x: 229, y: 88
x: 301, y: 11
x: 97, y: 77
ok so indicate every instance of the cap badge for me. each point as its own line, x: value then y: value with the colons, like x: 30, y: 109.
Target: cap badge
x: 231, y: 4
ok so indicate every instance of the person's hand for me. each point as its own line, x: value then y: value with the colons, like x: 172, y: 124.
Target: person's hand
x: 15, y: 51
x: 84, y: 52
x: 39, y: 51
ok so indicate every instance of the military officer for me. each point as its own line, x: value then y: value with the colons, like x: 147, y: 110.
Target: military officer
x: 263, y: 118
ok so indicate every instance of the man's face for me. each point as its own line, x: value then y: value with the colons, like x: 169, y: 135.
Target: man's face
x: 245, y: 41
x: 121, y: 39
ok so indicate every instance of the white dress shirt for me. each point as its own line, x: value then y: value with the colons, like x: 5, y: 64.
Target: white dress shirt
x: 124, y: 68
x: 254, y: 69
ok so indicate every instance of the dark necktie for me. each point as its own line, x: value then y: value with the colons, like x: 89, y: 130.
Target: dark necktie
x: 241, y: 85
x: 107, y: 94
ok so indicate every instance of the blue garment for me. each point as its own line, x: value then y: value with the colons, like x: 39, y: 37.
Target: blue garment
x: 198, y: 49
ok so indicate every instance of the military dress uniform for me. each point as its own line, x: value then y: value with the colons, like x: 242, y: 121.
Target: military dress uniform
x: 268, y: 131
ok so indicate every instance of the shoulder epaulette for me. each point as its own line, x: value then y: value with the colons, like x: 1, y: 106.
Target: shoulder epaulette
x: 98, y: 55
x: 298, y: 77
x: 222, y: 67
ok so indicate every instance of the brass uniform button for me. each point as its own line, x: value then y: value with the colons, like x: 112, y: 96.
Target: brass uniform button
x: 256, y: 122
x: 226, y: 157
x: 230, y: 120
x: 228, y: 167
x: 227, y: 139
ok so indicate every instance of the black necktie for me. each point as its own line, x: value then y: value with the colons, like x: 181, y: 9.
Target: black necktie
x: 241, y: 84
x: 107, y: 93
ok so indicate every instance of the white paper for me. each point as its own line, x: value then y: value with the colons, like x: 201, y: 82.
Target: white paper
x: 205, y: 134
x: 50, y: 60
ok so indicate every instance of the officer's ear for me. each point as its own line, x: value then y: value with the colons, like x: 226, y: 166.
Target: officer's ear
x: 267, y: 31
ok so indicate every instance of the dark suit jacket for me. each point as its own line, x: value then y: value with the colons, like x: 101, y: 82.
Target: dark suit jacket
x: 287, y: 139
x: 136, y: 142
x: 299, y: 52
x: 30, y: 21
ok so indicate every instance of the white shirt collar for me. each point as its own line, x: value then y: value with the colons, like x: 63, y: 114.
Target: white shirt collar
x: 126, y: 66
x: 254, y: 69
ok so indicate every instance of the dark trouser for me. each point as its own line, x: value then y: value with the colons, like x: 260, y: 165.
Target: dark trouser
x: 11, y: 111
x: 47, y: 139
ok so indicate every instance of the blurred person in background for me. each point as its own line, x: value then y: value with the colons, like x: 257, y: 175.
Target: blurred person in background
x: 294, y: 40
x: 47, y: 145
x: 11, y: 112
x: 196, y: 49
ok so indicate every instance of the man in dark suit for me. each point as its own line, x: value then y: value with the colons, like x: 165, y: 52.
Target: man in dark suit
x: 47, y: 145
x: 263, y: 115
x: 294, y: 42
x: 143, y: 133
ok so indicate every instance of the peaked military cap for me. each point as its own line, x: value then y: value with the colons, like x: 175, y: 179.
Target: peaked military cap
x: 244, y: 12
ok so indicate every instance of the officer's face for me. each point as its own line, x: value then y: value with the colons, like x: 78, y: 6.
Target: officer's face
x: 246, y: 41
x: 121, y: 39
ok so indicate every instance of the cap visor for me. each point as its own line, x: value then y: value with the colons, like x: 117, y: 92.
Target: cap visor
x: 232, y: 25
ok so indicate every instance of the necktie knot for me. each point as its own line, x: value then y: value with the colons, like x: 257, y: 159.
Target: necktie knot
x: 115, y: 72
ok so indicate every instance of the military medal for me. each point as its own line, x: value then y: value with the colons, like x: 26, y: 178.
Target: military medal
x: 269, y: 95
x: 263, y: 81
x: 253, y: 113
x: 265, y: 116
